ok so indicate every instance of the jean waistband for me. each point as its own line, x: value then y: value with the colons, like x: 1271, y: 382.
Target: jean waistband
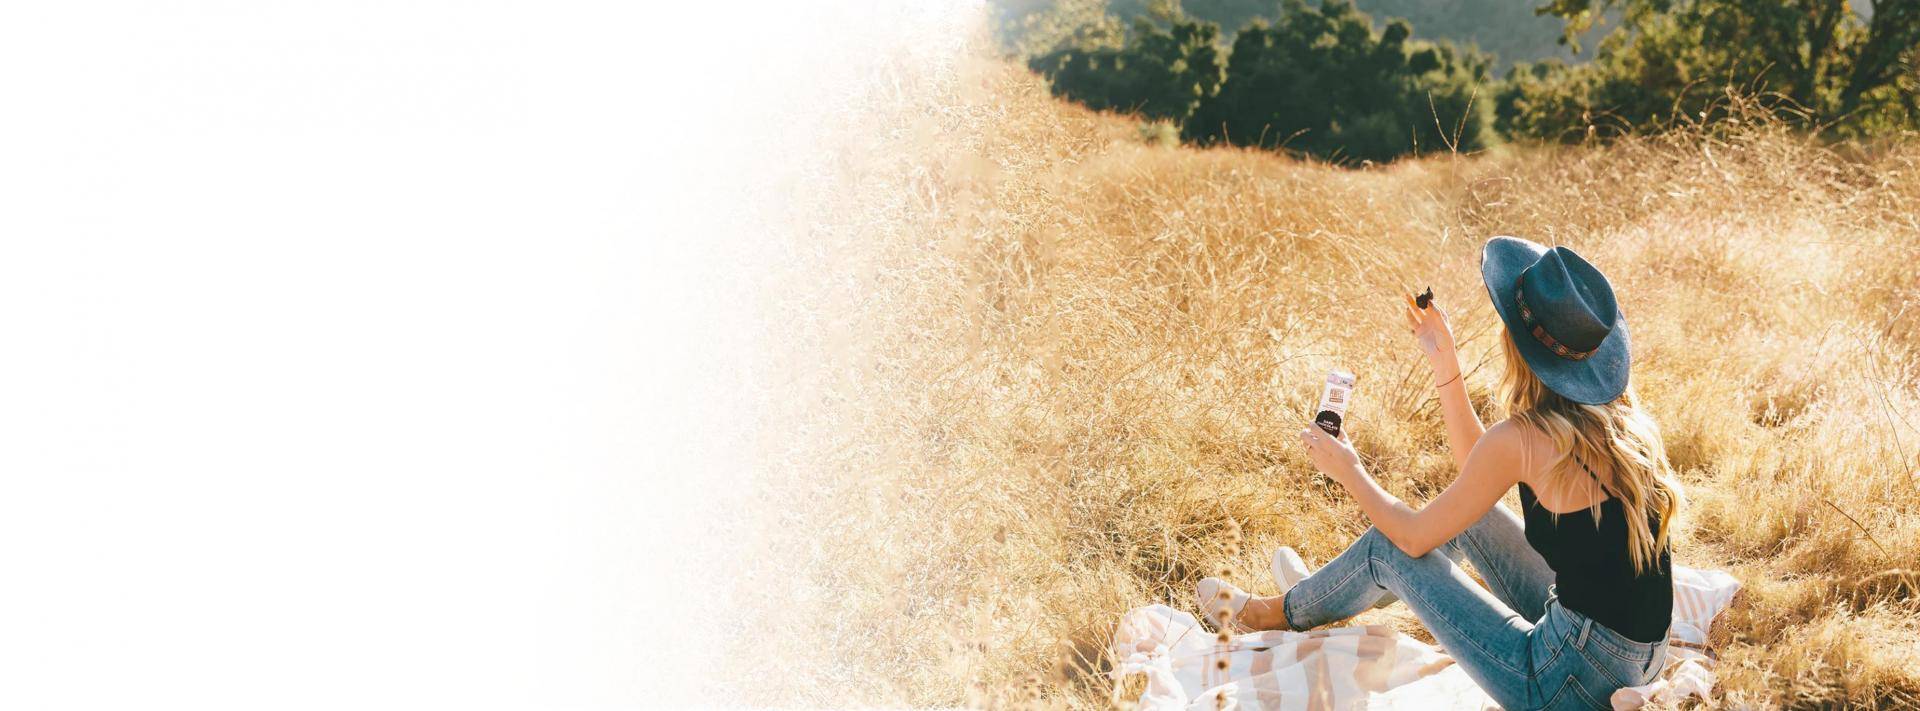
x: 1620, y: 646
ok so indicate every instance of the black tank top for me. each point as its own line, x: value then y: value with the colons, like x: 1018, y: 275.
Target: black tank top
x: 1593, y: 574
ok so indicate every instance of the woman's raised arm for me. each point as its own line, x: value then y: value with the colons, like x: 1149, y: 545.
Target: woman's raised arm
x: 1435, y: 337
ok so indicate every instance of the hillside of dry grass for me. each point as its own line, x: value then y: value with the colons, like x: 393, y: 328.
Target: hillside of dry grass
x: 1032, y: 371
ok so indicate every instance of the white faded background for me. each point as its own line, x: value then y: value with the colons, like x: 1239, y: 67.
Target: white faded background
x: 386, y: 354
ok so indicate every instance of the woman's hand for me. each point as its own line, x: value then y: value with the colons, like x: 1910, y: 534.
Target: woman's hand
x: 1434, y: 335
x: 1333, y: 456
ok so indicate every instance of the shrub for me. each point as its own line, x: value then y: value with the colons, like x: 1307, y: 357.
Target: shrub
x: 1158, y: 72
x: 1324, y: 83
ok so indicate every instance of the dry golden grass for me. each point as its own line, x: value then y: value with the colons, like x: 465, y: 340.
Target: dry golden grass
x: 1033, y: 370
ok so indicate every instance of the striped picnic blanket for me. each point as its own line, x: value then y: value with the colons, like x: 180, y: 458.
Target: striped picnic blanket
x: 1165, y: 659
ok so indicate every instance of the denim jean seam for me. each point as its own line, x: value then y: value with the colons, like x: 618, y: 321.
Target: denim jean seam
x: 1331, y: 589
x: 1442, y: 618
x: 1613, y: 651
x: 1554, y: 656
x: 1608, y: 648
x: 1558, y: 692
x: 1602, y: 668
x: 1580, y: 690
x: 1491, y: 571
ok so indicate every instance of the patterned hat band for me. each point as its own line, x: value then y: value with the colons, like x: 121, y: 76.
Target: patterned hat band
x: 1540, y: 333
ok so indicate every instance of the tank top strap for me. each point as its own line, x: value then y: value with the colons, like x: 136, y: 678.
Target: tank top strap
x: 1589, y: 471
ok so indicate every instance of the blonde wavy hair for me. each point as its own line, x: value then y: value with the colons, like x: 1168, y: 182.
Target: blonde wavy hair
x: 1617, y: 433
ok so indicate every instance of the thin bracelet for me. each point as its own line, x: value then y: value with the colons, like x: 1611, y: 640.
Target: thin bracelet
x: 1456, y: 376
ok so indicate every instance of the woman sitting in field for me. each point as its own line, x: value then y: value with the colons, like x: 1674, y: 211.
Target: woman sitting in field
x: 1581, y: 588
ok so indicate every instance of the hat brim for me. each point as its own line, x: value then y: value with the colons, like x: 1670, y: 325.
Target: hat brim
x: 1595, y: 380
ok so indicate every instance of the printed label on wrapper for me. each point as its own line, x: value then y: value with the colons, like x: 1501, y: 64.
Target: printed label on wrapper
x: 1334, y: 398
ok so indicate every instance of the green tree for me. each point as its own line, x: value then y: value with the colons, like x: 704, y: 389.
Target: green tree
x: 1324, y: 83
x: 1817, y: 62
x: 1160, y: 72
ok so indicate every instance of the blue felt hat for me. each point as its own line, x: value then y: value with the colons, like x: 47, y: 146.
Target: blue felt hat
x: 1562, y: 315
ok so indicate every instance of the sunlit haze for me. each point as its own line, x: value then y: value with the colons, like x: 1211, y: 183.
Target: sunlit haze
x: 384, y: 355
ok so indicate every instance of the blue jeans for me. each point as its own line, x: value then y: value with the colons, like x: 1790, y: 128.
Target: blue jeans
x: 1515, y: 641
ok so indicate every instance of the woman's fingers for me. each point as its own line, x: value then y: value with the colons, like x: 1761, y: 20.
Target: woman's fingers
x: 1311, y: 437
x: 1307, y: 440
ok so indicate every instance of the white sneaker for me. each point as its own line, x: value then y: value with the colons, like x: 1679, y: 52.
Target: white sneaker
x: 1288, y: 570
x: 1220, y: 601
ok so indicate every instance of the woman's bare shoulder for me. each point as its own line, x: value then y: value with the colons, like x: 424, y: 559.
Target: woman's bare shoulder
x: 1519, y: 442
x: 1503, y: 443
x: 1509, y: 435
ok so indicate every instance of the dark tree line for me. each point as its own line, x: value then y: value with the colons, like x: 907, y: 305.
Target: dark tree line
x: 1324, y: 81
x: 1319, y: 81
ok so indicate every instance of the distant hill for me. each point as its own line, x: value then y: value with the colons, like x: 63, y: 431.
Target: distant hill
x: 1508, y: 29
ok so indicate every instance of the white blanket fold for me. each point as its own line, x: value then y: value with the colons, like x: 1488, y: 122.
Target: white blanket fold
x: 1183, y: 666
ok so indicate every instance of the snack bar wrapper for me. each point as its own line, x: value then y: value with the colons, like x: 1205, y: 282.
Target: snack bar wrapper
x: 1334, y: 397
